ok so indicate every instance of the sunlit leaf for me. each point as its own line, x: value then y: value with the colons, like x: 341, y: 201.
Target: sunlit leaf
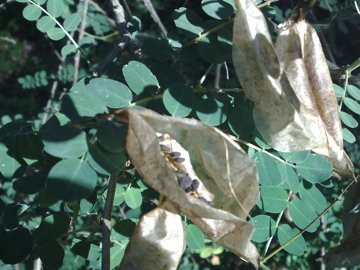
x: 315, y: 169
x: 264, y: 228
x: 303, y: 215
x: 71, y: 179
x: 285, y: 233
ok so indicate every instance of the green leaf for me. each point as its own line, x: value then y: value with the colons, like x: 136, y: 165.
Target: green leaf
x: 116, y: 254
x: 240, y: 121
x: 133, y: 197
x: 348, y: 136
x: 179, y: 100
x: 55, y: 33
x: 31, y: 12
x: 302, y: 215
x: 125, y: 227
x: 80, y: 102
x: 8, y: 164
x: 17, y: 246
x: 315, y: 169
x: 45, y: 23
x: 72, y: 22
x: 219, y: 10
x: 211, y: 111
x: 158, y: 49
x: 348, y: 120
x: 268, y: 171
x: 119, y: 197
x: 52, y: 227
x: 105, y: 162
x: 352, y: 105
x: 273, y: 199
x: 194, y: 237
x: 51, y: 254
x: 140, y: 78
x: 339, y: 91
x: 68, y: 49
x: 12, y: 211
x: 71, y: 179
x: 295, y: 157
x: 112, y: 137
x: 55, y: 7
x: 40, y: 2
x: 213, y: 51
x: 64, y: 142
x: 264, y: 227
x: 30, y: 184
x: 87, y: 41
x: 115, y: 94
x: 353, y: 91
x: 289, y: 175
x: 29, y: 144
x: 313, y: 197
x: 285, y: 233
x: 188, y: 20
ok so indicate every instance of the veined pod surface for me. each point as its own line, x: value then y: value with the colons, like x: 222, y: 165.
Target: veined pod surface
x: 221, y: 166
x: 295, y: 108
x: 282, y: 120
x: 302, y: 59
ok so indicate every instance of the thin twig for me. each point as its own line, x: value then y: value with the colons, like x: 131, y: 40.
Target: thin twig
x: 125, y: 41
x: 99, y: 9
x: 311, y: 223
x: 217, y: 76
x: 155, y: 17
x: 50, y: 100
x: 128, y: 10
x: 81, y: 35
x: 106, y: 223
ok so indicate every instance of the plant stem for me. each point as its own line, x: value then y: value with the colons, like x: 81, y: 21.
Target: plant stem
x: 347, y: 75
x: 57, y: 22
x: 353, y: 66
x: 106, y: 223
x: 265, y: 259
x: 259, y: 149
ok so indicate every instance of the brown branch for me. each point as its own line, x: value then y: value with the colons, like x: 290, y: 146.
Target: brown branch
x: 106, y: 223
x: 81, y: 35
x: 155, y: 17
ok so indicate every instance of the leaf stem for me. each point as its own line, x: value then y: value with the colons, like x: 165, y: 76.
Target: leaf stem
x: 57, y: 22
x: 346, y: 82
x: 106, y: 223
x: 353, y: 66
x: 265, y: 259
x: 259, y: 149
